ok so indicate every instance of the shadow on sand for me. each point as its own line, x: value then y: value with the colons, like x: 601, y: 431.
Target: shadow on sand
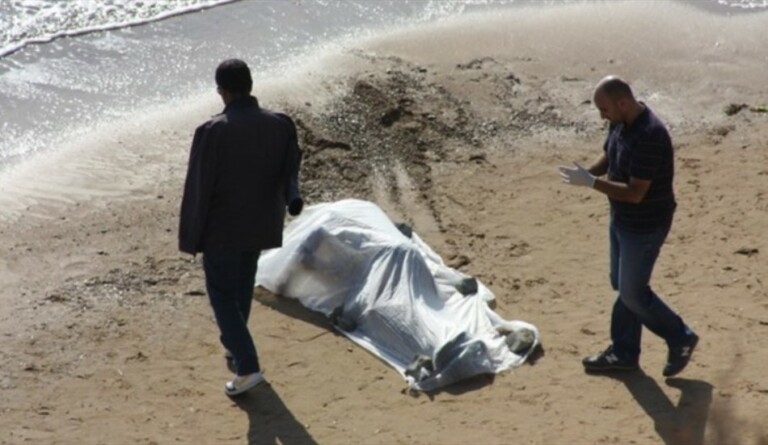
x: 683, y: 424
x: 293, y: 308
x: 270, y: 422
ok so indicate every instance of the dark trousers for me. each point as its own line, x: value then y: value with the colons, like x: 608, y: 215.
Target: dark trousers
x: 632, y: 259
x: 229, y: 280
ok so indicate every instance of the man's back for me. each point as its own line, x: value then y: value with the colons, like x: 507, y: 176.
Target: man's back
x: 240, y: 169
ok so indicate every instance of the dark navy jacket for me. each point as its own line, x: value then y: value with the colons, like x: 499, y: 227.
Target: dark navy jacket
x: 243, y: 172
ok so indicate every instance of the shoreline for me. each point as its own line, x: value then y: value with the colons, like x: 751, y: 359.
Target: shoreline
x: 732, y: 55
x: 462, y: 141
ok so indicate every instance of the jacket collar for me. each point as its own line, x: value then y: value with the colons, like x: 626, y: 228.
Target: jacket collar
x: 242, y: 102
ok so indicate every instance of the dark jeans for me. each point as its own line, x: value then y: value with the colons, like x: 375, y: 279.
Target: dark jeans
x: 632, y: 259
x: 229, y: 279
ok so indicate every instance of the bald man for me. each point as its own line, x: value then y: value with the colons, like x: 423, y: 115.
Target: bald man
x: 635, y: 171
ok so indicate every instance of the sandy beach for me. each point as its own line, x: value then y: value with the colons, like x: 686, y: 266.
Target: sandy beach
x: 108, y: 338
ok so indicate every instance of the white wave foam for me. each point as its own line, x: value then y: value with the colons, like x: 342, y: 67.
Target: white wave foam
x: 26, y: 22
x: 745, y: 4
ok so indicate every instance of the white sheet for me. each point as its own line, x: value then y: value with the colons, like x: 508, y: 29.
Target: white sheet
x: 392, y: 295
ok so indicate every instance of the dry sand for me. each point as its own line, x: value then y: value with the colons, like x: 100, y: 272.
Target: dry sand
x: 107, y: 336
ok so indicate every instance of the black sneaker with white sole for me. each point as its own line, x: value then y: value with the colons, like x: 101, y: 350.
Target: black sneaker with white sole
x: 678, y: 357
x: 608, y: 361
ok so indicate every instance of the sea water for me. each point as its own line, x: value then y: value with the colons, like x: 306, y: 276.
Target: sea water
x: 66, y: 66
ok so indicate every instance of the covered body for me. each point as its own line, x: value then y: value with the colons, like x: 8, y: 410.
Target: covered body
x: 386, y: 290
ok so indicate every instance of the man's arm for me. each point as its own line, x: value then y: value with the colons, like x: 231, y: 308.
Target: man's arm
x: 293, y: 192
x: 197, y: 189
x: 632, y: 192
x: 294, y: 157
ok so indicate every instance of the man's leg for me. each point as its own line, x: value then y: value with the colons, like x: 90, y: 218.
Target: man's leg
x: 246, y: 282
x: 222, y: 272
x: 638, y: 256
x: 626, y: 327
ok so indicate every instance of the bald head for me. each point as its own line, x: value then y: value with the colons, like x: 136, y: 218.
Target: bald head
x: 615, y: 100
x: 615, y: 88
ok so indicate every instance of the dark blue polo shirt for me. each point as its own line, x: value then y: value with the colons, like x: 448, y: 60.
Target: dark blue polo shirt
x: 642, y: 150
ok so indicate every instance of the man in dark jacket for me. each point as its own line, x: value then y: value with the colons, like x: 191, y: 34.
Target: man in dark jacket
x: 243, y: 172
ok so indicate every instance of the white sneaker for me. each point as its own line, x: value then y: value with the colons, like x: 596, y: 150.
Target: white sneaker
x: 243, y: 383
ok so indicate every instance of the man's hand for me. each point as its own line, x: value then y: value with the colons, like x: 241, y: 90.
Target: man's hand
x: 295, y: 206
x: 577, y: 175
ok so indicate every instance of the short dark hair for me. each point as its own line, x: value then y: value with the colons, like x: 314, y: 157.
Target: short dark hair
x: 233, y: 75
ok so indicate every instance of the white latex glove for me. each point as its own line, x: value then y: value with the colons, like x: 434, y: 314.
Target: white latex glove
x: 577, y: 175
